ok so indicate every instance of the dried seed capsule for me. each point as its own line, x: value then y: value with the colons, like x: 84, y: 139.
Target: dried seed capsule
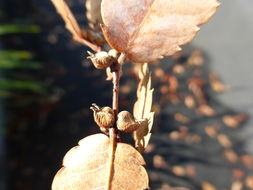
x: 126, y: 122
x: 101, y: 60
x: 104, y: 116
x: 114, y: 53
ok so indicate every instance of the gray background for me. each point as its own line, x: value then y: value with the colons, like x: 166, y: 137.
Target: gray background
x: 227, y: 39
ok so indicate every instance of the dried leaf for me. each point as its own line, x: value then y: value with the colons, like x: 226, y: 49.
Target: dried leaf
x: 196, y: 58
x: 207, y: 186
x: 191, y: 171
x: 205, y: 110
x: 147, y: 30
x: 159, y: 162
x: 87, y: 167
x: 231, y: 156
x: 142, y: 108
x: 238, y: 173
x: 216, y: 84
x: 211, y: 131
x: 249, y: 182
x: 189, y: 101
x: 178, y: 170
x: 237, y: 185
x: 71, y: 23
x: 181, y: 118
x: 224, y: 140
x: 247, y: 160
x: 93, y: 12
x: 234, y: 121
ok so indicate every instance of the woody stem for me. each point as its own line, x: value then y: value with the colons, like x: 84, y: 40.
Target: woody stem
x: 116, y: 69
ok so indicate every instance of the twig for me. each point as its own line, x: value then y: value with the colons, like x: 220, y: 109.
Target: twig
x: 116, y: 69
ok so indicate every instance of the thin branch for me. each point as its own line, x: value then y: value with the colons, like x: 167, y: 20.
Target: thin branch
x: 116, y: 69
x: 112, y: 134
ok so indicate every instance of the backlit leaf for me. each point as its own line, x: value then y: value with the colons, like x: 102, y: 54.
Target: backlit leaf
x: 87, y: 167
x: 93, y: 11
x: 71, y: 23
x: 142, y: 108
x: 148, y: 29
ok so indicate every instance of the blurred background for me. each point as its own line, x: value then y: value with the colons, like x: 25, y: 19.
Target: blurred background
x: 202, y: 135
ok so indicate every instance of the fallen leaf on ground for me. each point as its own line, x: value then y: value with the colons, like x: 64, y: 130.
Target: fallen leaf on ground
x: 231, y: 156
x: 224, y: 140
x: 207, y: 186
x: 249, y: 182
x: 234, y: 121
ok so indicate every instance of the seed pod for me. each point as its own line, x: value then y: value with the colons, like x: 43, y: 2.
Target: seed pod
x: 104, y: 116
x: 101, y: 60
x: 126, y: 122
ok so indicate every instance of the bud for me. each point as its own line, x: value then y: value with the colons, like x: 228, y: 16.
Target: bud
x: 126, y: 122
x: 104, y: 116
x: 101, y: 60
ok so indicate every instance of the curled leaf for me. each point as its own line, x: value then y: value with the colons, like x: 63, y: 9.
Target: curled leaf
x: 71, y: 23
x: 87, y: 167
x: 93, y: 12
x: 148, y: 30
x: 142, y: 108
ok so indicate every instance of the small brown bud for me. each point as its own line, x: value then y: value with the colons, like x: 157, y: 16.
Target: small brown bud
x: 104, y: 116
x: 126, y: 122
x: 101, y: 60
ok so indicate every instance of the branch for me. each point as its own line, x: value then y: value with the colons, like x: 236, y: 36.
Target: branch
x: 116, y: 68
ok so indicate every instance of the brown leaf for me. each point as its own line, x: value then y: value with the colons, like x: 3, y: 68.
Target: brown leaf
x: 93, y: 12
x: 181, y: 118
x: 205, y: 110
x: 216, y: 84
x: 224, y: 140
x: 211, y: 131
x: 249, y: 182
x: 247, y: 160
x: 142, y: 108
x: 196, y: 58
x: 178, y: 170
x: 189, y: 101
x: 148, y: 30
x: 238, y: 173
x: 159, y: 162
x: 234, y: 121
x: 237, y: 185
x: 87, y: 167
x: 231, y: 156
x: 71, y: 23
x: 207, y: 186
x: 191, y: 171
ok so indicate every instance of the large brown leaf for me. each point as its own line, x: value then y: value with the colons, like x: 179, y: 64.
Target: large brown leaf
x: 71, y: 23
x: 142, y: 108
x: 87, y: 167
x: 149, y: 29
